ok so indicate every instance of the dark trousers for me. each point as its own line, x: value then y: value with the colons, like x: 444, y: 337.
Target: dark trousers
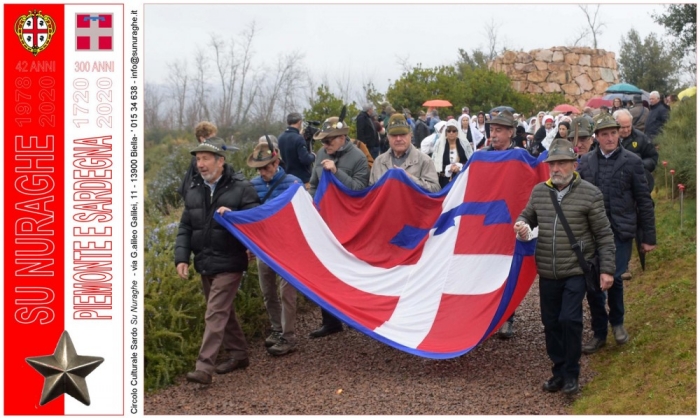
x: 374, y: 152
x: 329, y: 320
x: 561, y: 303
x: 615, y: 297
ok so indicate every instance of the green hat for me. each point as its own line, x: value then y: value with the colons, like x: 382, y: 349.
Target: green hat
x: 398, y: 125
x: 332, y: 127
x: 504, y: 118
x: 605, y: 122
x: 583, y: 128
x: 561, y: 150
x: 215, y: 145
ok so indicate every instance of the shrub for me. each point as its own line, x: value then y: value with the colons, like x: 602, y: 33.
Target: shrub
x: 677, y: 145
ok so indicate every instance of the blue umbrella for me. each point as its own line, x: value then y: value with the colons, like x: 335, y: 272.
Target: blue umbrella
x: 624, y: 88
x: 626, y: 97
x: 502, y: 108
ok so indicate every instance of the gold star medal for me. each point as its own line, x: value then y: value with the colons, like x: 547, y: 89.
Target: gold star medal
x: 65, y: 371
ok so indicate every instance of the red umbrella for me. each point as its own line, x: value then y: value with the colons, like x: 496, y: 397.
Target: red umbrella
x: 564, y: 108
x: 437, y: 103
x: 597, y: 102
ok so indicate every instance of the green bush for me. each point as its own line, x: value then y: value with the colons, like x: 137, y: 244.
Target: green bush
x: 174, y: 309
x: 677, y: 145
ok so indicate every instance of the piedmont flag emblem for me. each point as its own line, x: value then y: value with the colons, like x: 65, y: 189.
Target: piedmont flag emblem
x: 429, y: 274
x: 93, y: 32
x: 35, y: 31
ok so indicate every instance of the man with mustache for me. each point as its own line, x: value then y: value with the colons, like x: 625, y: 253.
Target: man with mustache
x: 562, y: 281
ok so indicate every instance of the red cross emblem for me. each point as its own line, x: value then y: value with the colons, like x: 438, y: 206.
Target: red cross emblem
x: 35, y: 31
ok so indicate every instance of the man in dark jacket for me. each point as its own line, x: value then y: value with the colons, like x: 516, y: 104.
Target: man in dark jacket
x: 636, y: 141
x: 349, y: 165
x: 619, y: 174
x: 366, y: 131
x: 218, y: 257
x: 297, y: 157
x: 421, y: 130
x: 658, y: 115
x: 562, y: 282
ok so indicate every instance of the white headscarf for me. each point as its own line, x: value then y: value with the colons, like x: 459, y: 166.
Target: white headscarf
x: 442, y: 141
x: 427, y: 145
x: 477, y: 136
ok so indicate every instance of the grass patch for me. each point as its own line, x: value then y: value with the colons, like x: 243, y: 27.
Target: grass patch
x: 655, y: 372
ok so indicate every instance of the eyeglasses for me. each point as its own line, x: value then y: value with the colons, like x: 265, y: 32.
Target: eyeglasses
x: 328, y: 141
x: 450, y: 130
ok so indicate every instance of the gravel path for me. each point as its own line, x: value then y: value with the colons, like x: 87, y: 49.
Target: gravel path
x: 350, y: 373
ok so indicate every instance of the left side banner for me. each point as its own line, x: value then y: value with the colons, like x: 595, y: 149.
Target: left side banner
x: 66, y: 158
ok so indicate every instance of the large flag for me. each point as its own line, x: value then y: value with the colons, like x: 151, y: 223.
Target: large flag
x: 432, y: 274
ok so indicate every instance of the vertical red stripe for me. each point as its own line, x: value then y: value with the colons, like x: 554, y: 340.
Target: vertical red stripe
x: 34, y: 110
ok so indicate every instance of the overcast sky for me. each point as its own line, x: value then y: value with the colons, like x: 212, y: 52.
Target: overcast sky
x: 366, y: 42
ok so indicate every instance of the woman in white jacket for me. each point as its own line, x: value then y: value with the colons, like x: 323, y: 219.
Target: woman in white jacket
x: 452, y: 151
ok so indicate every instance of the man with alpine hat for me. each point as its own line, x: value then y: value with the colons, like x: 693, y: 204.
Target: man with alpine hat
x: 502, y: 131
x: 349, y: 165
x: 403, y: 155
x: 580, y: 135
x: 619, y: 174
x: 561, y: 277
x: 219, y: 257
x: 270, y: 183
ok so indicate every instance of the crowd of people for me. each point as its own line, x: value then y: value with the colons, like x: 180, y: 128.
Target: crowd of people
x: 600, y: 177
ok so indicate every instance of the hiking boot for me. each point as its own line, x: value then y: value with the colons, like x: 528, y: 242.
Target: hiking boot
x: 620, y: 334
x: 571, y: 386
x: 506, y: 331
x: 273, y: 338
x: 325, y: 330
x: 231, y: 364
x: 554, y: 384
x: 199, y: 376
x: 626, y: 275
x: 593, y: 345
x: 282, y: 347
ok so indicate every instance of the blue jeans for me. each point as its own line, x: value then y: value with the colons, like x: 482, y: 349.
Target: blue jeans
x: 561, y: 304
x: 596, y: 300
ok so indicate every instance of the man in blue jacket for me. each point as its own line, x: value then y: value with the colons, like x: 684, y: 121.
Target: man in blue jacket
x: 293, y: 151
x: 269, y: 184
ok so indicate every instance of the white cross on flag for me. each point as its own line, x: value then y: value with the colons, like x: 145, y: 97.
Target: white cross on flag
x: 93, y: 32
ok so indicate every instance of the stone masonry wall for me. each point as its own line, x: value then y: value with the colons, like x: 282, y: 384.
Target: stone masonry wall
x: 579, y: 73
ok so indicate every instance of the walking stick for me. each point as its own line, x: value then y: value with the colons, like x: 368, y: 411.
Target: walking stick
x: 665, y: 163
x: 672, y: 173
x: 681, y: 188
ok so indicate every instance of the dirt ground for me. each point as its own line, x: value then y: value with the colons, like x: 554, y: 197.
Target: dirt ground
x: 350, y: 373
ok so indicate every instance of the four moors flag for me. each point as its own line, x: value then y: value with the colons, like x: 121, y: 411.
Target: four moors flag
x: 430, y: 274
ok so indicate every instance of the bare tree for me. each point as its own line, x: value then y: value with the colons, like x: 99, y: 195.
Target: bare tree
x: 243, y: 106
x: 404, y: 63
x: 152, y: 100
x: 178, y: 90
x: 596, y: 26
x: 198, y: 108
x: 580, y: 36
x: 277, y: 94
x: 491, y: 31
x: 227, y: 68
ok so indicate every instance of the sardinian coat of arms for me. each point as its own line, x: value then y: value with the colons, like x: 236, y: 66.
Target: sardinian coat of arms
x: 35, y: 31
